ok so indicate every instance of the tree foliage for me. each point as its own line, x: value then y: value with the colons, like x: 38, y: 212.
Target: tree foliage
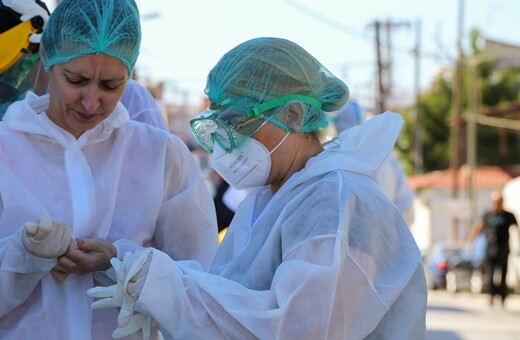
x: 496, y: 85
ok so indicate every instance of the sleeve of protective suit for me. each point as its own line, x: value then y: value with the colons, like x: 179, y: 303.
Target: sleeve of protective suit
x: 14, y: 261
x: 187, y: 215
x: 298, y: 304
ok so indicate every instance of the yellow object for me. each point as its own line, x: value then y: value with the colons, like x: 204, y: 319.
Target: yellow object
x: 221, y: 235
x: 13, y: 42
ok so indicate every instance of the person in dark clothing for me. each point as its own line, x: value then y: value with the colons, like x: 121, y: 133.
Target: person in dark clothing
x: 224, y: 214
x: 495, y: 225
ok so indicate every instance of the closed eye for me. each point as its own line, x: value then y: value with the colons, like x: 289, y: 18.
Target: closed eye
x: 74, y: 80
x: 111, y: 86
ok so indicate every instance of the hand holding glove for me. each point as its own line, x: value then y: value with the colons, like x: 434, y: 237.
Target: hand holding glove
x: 113, y: 295
x: 131, y: 276
x: 49, y: 238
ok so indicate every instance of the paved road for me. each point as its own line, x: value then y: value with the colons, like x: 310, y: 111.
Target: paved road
x: 466, y: 316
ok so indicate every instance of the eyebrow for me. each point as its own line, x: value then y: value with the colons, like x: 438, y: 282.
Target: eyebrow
x: 82, y: 76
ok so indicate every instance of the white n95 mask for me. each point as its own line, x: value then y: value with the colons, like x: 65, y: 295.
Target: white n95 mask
x: 247, y: 166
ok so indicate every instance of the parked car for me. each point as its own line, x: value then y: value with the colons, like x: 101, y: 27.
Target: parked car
x: 450, y: 266
x: 464, y: 271
x: 436, y: 263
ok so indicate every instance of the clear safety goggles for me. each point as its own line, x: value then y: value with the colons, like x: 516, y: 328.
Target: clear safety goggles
x: 230, y: 125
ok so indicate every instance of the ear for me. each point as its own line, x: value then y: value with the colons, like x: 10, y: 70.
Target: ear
x: 294, y: 115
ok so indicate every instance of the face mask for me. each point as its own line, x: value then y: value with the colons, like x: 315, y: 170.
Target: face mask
x: 245, y: 167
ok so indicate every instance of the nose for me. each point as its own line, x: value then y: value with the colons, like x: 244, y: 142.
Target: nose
x: 91, y: 99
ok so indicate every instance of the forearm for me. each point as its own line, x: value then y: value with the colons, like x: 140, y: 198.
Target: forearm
x: 194, y: 304
x: 20, y: 272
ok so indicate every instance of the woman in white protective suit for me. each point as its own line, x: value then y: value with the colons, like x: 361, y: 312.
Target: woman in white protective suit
x: 316, y: 250
x: 80, y: 183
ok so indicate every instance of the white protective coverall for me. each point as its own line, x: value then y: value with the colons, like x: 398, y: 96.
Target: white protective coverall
x: 327, y: 257
x: 125, y: 181
x: 392, y: 180
x: 141, y: 105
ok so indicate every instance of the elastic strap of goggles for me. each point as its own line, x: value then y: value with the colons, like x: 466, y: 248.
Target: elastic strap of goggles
x: 257, y: 110
x: 30, y: 61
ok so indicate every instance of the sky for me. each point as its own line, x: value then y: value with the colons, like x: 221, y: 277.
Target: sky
x: 183, y: 40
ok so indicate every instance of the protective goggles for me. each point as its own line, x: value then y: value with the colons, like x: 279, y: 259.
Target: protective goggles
x: 230, y: 125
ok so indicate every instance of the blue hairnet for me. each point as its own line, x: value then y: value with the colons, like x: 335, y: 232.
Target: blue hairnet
x: 80, y: 27
x: 349, y: 116
x: 263, y: 69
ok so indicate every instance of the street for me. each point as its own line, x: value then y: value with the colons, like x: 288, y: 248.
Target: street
x: 469, y: 316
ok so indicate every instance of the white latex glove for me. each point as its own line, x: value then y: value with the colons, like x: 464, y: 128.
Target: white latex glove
x: 133, y: 268
x: 49, y: 238
x: 138, y: 321
x: 131, y: 275
x: 112, y: 295
x: 136, y: 282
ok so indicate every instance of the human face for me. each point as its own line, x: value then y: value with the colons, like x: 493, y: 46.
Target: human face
x: 497, y: 202
x: 84, y: 91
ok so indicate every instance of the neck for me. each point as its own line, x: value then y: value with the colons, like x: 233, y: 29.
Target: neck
x: 305, y: 148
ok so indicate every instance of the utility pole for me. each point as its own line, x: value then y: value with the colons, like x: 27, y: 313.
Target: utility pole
x: 384, y: 63
x: 417, y: 136
x: 381, y: 94
x: 456, y: 114
x: 471, y: 140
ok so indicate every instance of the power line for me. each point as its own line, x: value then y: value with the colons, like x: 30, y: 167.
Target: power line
x: 329, y: 21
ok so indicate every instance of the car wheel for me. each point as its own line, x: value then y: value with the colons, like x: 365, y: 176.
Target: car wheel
x: 451, y: 282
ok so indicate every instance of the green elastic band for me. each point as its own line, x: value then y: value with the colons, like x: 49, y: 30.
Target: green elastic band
x: 257, y: 110
x: 27, y: 63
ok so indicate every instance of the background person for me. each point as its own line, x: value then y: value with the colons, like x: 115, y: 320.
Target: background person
x: 494, y: 224
x: 107, y: 185
x: 316, y: 250
x: 141, y: 105
x: 226, y: 199
x: 224, y: 213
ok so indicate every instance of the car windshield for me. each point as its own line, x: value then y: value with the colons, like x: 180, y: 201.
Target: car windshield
x: 450, y: 252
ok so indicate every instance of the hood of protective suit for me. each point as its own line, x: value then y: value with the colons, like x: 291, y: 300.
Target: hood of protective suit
x: 29, y: 116
x: 359, y: 149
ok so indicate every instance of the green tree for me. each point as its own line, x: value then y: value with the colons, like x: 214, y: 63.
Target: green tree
x: 496, y: 86
x: 434, y: 111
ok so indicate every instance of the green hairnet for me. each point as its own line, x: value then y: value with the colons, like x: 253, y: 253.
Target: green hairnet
x: 80, y: 27
x: 264, y: 69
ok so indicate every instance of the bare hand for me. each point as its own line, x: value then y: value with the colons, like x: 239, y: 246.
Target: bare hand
x: 59, y: 275
x: 85, y: 256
